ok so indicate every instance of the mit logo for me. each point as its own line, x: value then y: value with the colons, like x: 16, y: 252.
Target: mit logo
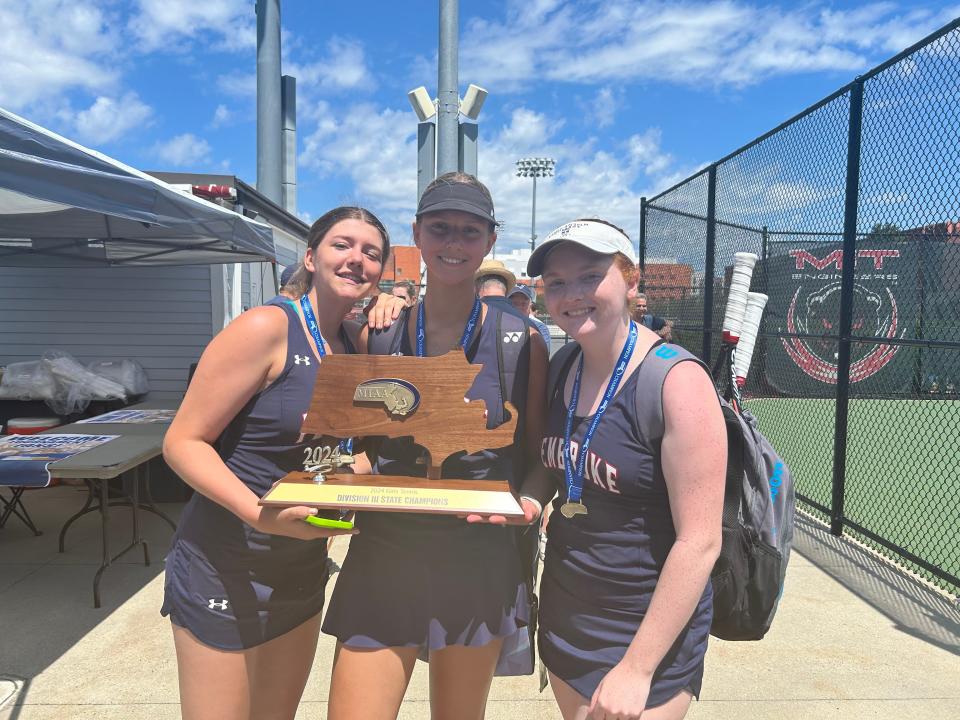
x: 804, y: 258
x: 301, y: 359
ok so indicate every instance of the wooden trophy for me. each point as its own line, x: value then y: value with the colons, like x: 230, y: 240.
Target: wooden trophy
x: 397, y: 396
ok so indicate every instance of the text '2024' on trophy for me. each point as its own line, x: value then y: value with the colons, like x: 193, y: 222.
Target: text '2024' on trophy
x: 395, y: 396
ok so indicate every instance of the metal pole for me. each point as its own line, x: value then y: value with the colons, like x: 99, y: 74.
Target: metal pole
x: 643, y: 243
x: 288, y: 94
x: 708, y: 271
x: 448, y: 97
x: 533, y: 217
x: 851, y: 204
x: 426, y: 156
x: 269, y: 102
x: 764, y: 252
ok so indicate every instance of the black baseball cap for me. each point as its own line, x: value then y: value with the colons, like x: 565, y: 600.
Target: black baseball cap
x: 457, y: 196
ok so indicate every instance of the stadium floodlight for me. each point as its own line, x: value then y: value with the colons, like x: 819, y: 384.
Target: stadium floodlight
x: 422, y: 104
x: 473, y: 101
x: 534, y: 168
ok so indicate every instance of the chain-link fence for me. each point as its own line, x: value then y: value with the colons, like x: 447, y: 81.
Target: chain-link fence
x: 853, y: 207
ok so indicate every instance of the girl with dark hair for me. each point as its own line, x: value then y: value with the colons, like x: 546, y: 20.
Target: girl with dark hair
x: 639, y: 467
x: 432, y: 586
x: 244, y: 583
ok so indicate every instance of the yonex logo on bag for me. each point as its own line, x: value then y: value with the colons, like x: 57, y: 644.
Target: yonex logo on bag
x: 301, y: 359
x: 666, y: 352
x: 215, y: 604
x: 510, y: 337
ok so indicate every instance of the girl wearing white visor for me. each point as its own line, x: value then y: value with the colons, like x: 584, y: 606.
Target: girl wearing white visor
x: 626, y: 600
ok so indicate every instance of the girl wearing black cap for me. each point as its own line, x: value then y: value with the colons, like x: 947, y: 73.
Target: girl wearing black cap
x: 638, y: 459
x: 432, y: 586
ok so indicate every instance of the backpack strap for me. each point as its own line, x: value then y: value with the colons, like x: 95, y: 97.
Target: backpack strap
x: 559, y: 365
x: 653, y: 372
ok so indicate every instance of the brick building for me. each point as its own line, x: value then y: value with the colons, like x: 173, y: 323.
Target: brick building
x: 667, y: 280
x: 403, y: 264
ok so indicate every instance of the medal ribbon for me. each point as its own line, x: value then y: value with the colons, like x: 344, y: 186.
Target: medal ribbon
x: 468, y: 329
x: 346, y: 446
x: 312, y: 325
x: 575, y: 479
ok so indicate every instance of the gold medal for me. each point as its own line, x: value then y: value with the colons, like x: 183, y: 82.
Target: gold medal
x: 570, y: 509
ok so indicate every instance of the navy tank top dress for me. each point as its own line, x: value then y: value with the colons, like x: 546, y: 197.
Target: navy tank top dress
x: 230, y: 585
x: 432, y: 581
x: 600, y: 569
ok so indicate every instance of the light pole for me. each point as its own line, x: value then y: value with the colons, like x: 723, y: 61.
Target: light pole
x: 534, y: 168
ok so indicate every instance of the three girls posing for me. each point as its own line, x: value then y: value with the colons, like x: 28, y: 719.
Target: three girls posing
x: 625, y: 608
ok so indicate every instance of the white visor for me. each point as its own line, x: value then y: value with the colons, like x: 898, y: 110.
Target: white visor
x: 593, y: 235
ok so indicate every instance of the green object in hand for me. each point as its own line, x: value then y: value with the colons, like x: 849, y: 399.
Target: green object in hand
x: 330, y: 524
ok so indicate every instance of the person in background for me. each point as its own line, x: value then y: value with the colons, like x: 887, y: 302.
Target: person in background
x: 641, y: 315
x: 406, y: 291
x: 523, y: 298
x: 493, y: 279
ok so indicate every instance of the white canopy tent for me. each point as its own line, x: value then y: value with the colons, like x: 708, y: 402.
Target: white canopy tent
x: 62, y: 204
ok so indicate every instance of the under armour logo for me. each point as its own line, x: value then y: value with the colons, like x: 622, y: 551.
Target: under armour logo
x: 666, y: 352
x: 301, y: 359
x: 215, y: 604
x: 510, y: 337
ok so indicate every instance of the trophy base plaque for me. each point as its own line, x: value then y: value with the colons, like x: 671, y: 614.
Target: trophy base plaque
x: 391, y: 493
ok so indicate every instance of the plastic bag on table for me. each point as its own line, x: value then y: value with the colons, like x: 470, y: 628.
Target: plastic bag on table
x: 128, y: 373
x: 27, y: 381
x: 76, y: 386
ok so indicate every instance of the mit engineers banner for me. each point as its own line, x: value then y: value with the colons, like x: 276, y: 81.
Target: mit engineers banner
x: 804, y: 289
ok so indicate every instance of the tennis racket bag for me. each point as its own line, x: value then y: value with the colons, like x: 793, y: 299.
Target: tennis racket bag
x: 758, y: 505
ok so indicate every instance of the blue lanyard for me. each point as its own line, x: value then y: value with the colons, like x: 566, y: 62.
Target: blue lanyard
x: 346, y: 446
x: 575, y: 480
x: 465, y: 339
x: 312, y: 325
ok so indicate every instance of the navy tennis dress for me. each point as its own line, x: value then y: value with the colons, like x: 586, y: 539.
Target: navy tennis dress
x: 432, y: 581
x: 232, y: 586
x: 600, y: 569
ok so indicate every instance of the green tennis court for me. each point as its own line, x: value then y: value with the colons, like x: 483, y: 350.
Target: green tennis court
x: 902, y: 466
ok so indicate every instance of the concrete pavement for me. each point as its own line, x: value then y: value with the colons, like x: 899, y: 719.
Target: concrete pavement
x: 854, y: 637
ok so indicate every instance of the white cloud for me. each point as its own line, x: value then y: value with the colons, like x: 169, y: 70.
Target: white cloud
x: 185, y: 150
x: 343, y: 67
x: 229, y: 25
x: 717, y: 42
x: 221, y: 116
x: 604, y: 106
x: 48, y: 47
x: 375, y: 148
x: 107, y: 119
x: 239, y: 84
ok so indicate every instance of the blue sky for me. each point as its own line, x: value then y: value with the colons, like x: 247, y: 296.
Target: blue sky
x: 628, y: 96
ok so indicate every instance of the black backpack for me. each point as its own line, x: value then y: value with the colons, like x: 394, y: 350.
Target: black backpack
x: 758, y: 505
